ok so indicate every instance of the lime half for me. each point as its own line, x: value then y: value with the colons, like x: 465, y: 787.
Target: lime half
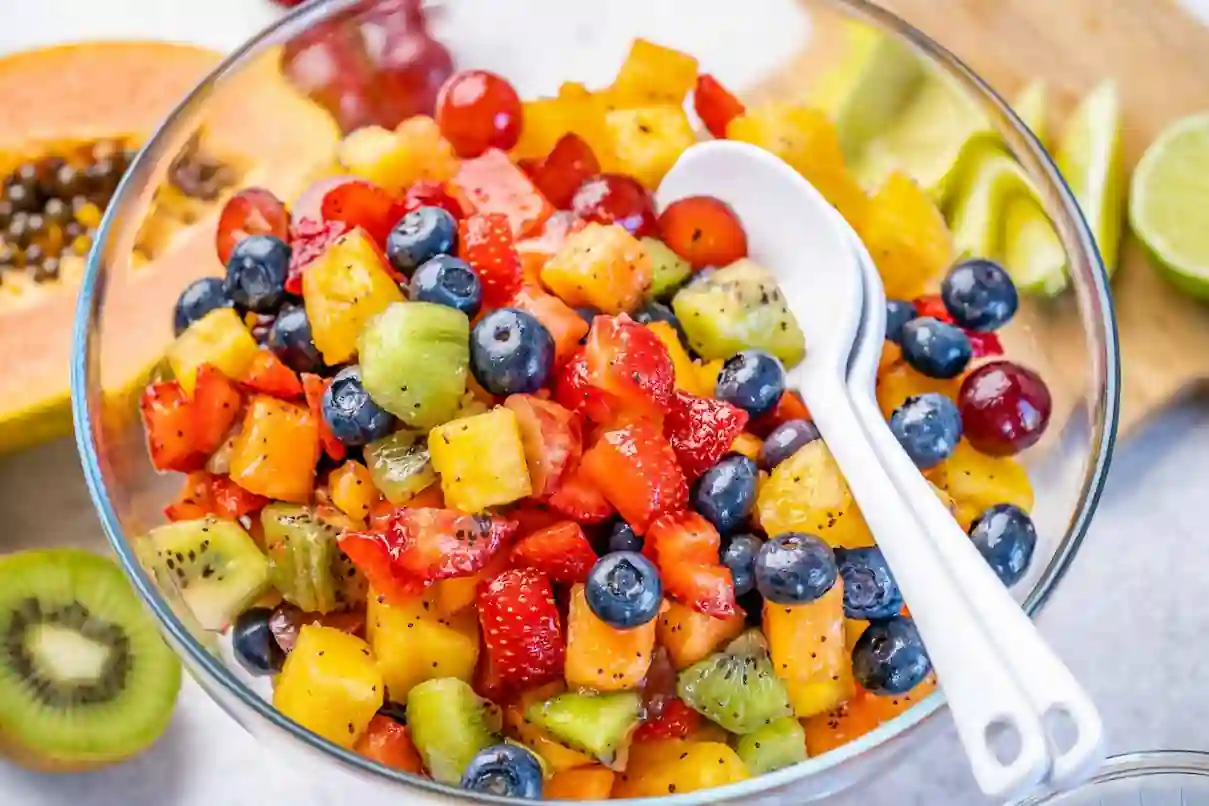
x: 1168, y: 200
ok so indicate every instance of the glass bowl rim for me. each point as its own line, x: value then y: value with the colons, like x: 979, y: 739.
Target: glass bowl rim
x: 1130, y: 766
x: 199, y: 658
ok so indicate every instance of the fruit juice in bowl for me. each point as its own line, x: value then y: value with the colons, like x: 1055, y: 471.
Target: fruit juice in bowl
x: 468, y: 468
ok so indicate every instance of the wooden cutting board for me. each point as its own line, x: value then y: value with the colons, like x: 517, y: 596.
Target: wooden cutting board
x: 1158, y: 55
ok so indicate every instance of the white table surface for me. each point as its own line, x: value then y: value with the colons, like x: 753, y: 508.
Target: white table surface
x: 1126, y: 620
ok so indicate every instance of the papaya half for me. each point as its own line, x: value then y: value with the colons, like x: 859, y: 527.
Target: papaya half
x: 74, y: 116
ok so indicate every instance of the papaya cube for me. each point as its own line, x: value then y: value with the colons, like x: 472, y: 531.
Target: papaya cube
x: 352, y: 490
x: 857, y: 716
x: 690, y: 636
x: 275, y: 453
x: 394, y: 160
x: 343, y: 288
x: 330, y: 684
x: 481, y: 460
x: 220, y: 339
x: 975, y: 481
x: 566, y: 326
x: 493, y: 183
x: 582, y: 783
x: 412, y: 644
x: 602, y: 657
x: 649, y: 139
x: 652, y: 75
x: 907, y: 237
x: 806, y: 643
x: 602, y: 266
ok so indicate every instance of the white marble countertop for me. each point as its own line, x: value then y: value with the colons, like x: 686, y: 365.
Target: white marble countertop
x: 1124, y: 619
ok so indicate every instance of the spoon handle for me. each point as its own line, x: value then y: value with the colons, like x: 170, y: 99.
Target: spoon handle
x: 984, y: 697
x: 1052, y: 690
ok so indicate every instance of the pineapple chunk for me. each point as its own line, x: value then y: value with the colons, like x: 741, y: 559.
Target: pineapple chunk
x: 602, y: 266
x: 899, y: 382
x: 807, y: 493
x: 907, y: 238
x: 220, y: 339
x: 649, y: 139
x: 653, y: 74
x: 679, y: 766
x: 689, y: 377
x: 975, y: 481
x: 481, y: 460
x: 806, y: 642
x: 574, y: 110
x: 343, y: 288
x: 413, y: 644
x: 414, y: 151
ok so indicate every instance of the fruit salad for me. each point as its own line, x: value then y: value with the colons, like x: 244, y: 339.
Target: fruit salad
x: 491, y: 466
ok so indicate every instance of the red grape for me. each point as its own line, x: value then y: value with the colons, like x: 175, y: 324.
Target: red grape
x: 616, y: 199
x: 478, y: 110
x: 251, y: 211
x: 1005, y: 408
x: 704, y: 231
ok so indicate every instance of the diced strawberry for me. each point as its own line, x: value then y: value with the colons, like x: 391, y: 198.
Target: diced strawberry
x: 520, y: 628
x: 314, y: 386
x: 388, y: 743
x: 168, y: 420
x: 432, y: 544
x: 565, y: 326
x: 575, y: 392
x: 373, y: 554
x: 269, y: 375
x: 232, y: 501
x: 562, y: 552
x: 494, y: 184
x: 215, y: 408
x: 715, y: 105
x: 486, y: 243
x: 789, y: 407
x: 984, y: 345
x: 309, y: 239
x: 684, y: 546
x: 676, y: 722
x: 560, y: 173
x: 207, y: 494
x: 932, y: 305
x: 636, y: 470
x: 629, y: 362
x: 576, y: 498
x: 700, y: 430
x: 431, y: 193
x: 194, y: 499
x: 363, y: 204
x: 552, y: 438
x: 488, y: 682
x: 532, y: 516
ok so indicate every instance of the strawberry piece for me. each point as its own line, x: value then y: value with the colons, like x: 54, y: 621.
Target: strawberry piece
x: 389, y: 743
x: 314, y: 386
x: 789, y: 407
x: 493, y: 184
x: 573, y: 390
x: 676, y: 722
x: 532, y: 517
x: 561, y: 552
x: 432, y: 544
x: 232, y: 501
x: 485, y: 242
x: 628, y: 361
x: 701, y: 430
x: 560, y: 173
x: 309, y: 239
x: 251, y: 211
x: 703, y: 230
x: 215, y: 408
x: 363, y: 204
x: 565, y: 326
x: 431, y: 193
x: 207, y: 494
x: 168, y: 420
x: 520, y: 629
x: 715, y: 105
x: 373, y: 554
x: 577, y: 499
x: 684, y: 546
x: 636, y: 470
x: 552, y: 439
x: 984, y: 345
x: 932, y: 305
x: 269, y: 375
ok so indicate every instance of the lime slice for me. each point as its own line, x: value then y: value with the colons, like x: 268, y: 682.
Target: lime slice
x: 1032, y: 107
x: 1032, y: 251
x: 1090, y: 157
x: 1167, y: 203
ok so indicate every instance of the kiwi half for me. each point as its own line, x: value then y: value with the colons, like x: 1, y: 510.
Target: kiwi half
x: 85, y: 679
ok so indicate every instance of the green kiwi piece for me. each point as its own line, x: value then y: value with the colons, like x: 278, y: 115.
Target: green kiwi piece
x: 399, y: 465
x: 85, y: 679
x: 772, y: 746
x: 668, y: 269
x: 736, y: 308
x: 448, y: 724
x: 303, y: 557
x: 212, y: 563
x: 737, y: 687
x: 414, y: 359
x: 596, y: 724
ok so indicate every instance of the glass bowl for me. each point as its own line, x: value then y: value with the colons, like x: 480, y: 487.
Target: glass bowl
x: 1152, y: 778
x: 1071, y: 341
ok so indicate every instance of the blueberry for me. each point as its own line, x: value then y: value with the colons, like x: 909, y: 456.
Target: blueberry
x: 198, y: 299
x: 421, y: 234
x: 1006, y: 537
x: 898, y: 313
x: 795, y: 568
x: 726, y: 493
x: 928, y: 426
x: 622, y: 538
x: 934, y: 348
x: 256, y: 273
x: 447, y: 281
x: 889, y: 658
x: 253, y: 643
x: 979, y: 295
x: 753, y: 380
x: 870, y: 591
x: 624, y: 590
x: 507, y: 770
x: 785, y: 440
x: 394, y: 710
x: 740, y: 557
x: 351, y: 414
x: 290, y: 339
x: 511, y: 352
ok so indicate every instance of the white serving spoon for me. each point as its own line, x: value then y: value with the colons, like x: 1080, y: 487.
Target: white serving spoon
x: 794, y: 233
x: 1048, y: 684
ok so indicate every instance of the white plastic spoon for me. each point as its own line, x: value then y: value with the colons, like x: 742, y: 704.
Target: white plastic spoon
x: 793, y: 232
x: 1048, y: 684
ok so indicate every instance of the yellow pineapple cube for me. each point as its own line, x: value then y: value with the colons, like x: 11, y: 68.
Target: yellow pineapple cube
x: 808, y: 649
x: 689, y: 375
x: 975, y: 481
x: 653, y: 74
x: 413, y: 643
x: 807, y: 493
x: 481, y: 460
x: 574, y: 110
x: 649, y: 139
x: 220, y: 339
x: 602, y: 266
x: 419, y: 152
x: 907, y: 237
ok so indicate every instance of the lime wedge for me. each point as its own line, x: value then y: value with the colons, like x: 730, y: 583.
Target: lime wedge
x: 1032, y: 107
x: 1168, y: 199
x: 1091, y: 159
x: 1032, y: 252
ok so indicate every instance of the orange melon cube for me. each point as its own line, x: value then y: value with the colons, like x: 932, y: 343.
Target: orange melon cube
x: 602, y: 657
x: 689, y: 636
x: 584, y: 783
x: 806, y: 643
